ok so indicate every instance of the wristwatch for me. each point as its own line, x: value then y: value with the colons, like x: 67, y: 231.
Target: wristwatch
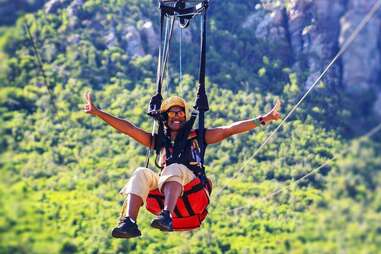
x: 262, y: 120
x: 259, y: 121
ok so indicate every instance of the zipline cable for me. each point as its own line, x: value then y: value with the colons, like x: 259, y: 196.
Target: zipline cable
x: 368, y: 135
x: 345, y: 46
x: 39, y: 63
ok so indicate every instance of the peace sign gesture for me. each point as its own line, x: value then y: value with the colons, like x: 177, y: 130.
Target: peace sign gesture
x: 274, y: 114
x: 89, y: 108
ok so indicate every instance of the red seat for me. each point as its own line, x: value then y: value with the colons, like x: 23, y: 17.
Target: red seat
x: 190, y: 210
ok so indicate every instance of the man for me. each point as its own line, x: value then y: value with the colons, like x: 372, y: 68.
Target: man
x: 174, y: 176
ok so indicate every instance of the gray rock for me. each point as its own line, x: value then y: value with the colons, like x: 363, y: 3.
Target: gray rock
x: 111, y: 39
x: 271, y: 26
x: 318, y: 39
x: 75, y: 7
x: 251, y: 21
x: 133, y: 41
x: 318, y: 29
x: 255, y: 18
x: 361, y: 62
x: 153, y: 40
x: 377, y: 105
x: 307, y: 30
x: 53, y: 6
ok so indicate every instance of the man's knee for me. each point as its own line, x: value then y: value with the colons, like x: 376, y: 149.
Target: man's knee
x: 141, y: 181
x: 141, y: 171
x: 172, y: 170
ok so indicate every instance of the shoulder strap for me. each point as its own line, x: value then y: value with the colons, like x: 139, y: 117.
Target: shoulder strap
x: 192, y: 135
x: 182, y: 138
x: 202, y: 100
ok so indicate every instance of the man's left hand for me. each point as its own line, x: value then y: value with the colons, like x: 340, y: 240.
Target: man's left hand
x: 274, y: 114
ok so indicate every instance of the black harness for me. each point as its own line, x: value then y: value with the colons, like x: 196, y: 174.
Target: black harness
x: 172, y: 10
x: 184, y: 150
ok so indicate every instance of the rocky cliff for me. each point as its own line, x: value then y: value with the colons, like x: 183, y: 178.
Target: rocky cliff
x: 307, y: 35
x: 314, y: 31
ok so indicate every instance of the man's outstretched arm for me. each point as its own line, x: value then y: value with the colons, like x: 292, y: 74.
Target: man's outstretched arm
x: 216, y: 135
x: 121, y: 125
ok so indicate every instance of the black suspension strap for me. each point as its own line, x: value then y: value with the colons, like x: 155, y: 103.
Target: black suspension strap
x: 172, y: 9
x: 156, y: 100
x: 167, y: 43
x: 201, y: 103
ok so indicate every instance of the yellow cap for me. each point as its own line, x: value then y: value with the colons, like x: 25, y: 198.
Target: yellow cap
x: 175, y: 101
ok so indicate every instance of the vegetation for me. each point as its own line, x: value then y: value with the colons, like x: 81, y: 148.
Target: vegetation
x: 62, y: 169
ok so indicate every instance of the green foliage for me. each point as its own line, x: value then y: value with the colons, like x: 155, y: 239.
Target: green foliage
x: 61, y: 170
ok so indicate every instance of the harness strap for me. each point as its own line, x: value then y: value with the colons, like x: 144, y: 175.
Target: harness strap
x: 201, y: 103
x: 182, y: 137
x: 156, y: 100
x: 186, y: 194
x: 185, y: 198
x: 159, y: 200
x: 188, y: 205
x: 177, y: 212
x: 194, y: 189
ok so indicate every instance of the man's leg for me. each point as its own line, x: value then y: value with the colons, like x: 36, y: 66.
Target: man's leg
x: 171, y: 183
x: 131, y: 206
x: 172, y: 191
x: 142, y: 181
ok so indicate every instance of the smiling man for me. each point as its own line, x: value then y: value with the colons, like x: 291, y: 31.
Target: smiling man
x: 174, y: 176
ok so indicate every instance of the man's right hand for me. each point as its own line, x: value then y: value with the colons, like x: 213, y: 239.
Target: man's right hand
x: 121, y: 125
x: 90, y: 108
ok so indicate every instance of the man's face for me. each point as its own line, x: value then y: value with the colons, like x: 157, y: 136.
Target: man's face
x: 176, y: 118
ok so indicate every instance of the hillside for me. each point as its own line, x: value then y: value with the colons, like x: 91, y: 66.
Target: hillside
x: 62, y: 169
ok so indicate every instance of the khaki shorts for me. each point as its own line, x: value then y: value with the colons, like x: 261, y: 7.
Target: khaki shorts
x: 144, y: 180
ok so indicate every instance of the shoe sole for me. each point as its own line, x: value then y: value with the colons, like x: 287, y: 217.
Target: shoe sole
x: 156, y: 224
x: 119, y: 234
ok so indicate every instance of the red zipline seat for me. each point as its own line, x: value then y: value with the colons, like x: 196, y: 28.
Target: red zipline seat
x: 190, y: 210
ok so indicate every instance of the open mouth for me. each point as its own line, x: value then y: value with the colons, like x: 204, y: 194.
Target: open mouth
x: 176, y: 123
